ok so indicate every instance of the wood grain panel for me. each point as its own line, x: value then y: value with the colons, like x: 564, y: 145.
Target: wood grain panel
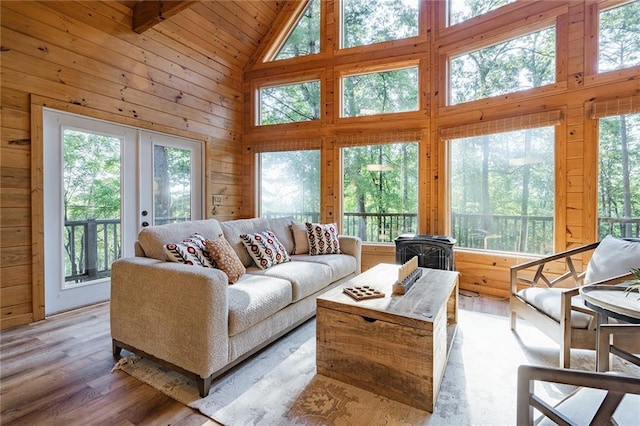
x: 83, y: 57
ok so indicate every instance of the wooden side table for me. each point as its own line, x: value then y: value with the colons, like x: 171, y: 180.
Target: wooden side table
x: 611, y: 301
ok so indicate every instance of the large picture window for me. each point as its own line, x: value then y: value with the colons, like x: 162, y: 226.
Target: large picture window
x: 290, y: 184
x: 619, y: 39
x: 380, y: 190
x: 290, y: 103
x: 380, y: 92
x: 366, y: 22
x: 502, y: 191
x: 518, y: 64
x: 619, y: 176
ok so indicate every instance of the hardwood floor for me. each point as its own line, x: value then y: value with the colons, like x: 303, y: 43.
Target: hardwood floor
x: 58, y: 372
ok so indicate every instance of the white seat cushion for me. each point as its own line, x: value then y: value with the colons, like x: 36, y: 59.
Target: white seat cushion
x: 548, y: 301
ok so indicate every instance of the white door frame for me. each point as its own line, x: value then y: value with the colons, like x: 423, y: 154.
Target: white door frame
x: 57, y: 297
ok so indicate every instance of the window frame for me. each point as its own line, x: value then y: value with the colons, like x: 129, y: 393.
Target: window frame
x: 592, y: 44
x: 385, y: 137
x: 560, y: 181
x: 283, y: 36
x: 287, y: 147
x: 455, y: 54
x: 291, y: 79
x: 348, y: 71
x: 339, y: 36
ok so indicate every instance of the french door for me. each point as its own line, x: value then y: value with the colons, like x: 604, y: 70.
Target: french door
x: 103, y: 182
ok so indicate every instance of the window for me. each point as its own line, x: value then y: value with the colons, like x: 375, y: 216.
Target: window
x: 380, y: 92
x: 290, y: 103
x: 462, y: 10
x: 290, y: 184
x: 502, y: 191
x: 619, y: 43
x: 517, y: 64
x: 305, y: 37
x: 366, y: 22
x: 619, y: 176
x: 380, y: 190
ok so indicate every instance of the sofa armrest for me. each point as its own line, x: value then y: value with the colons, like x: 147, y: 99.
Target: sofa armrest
x: 353, y: 246
x: 175, y: 312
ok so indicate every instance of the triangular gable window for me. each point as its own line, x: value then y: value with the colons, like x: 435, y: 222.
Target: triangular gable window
x: 305, y: 37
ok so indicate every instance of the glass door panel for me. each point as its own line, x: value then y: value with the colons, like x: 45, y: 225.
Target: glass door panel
x: 92, y: 203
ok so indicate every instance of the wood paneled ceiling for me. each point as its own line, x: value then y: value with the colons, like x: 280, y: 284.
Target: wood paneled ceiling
x: 232, y: 29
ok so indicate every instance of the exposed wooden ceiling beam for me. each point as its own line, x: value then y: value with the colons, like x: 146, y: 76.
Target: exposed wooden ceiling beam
x: 148, y: 13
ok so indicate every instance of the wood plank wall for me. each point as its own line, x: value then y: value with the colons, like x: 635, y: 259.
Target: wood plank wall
x: 577, y: 85
x: 183, y: 77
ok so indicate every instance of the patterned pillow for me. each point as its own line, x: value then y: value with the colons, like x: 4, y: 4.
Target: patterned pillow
x: 323, y: 239
x: 226, y: 259
x: 191, y: 251
x: 265, y: 249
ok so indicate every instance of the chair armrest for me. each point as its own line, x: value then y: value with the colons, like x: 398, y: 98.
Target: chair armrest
x: 353, y: 246
x: 173, y: 311
x: 616, y: 386
x: 540, y: 263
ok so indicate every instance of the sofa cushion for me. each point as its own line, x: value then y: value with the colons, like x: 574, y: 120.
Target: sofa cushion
x: 300, y: 238
x: 190, y: 251
x: 612, y: 257
x: 323, y: 239
x: 153, y: 239
x: 232, y: 230
x: 548, y: 301
x: 341, y: 265
x: 281, y: 226
x: 265, y: 249
x: 305, y: 277
x: 225, y: 258
x: 254, y: 298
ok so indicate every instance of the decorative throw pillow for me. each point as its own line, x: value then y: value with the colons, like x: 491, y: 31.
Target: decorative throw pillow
x: 300, y: 238
x: 612, y: 257
x: 265, y: 249
x: 226, y: 259
x: 323, y: 239
x: 190, y: 251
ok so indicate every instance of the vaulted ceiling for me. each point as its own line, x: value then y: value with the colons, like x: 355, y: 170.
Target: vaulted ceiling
x: 232, y: 28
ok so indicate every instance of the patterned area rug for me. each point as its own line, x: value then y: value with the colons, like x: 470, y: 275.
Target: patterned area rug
x: 279, y: 386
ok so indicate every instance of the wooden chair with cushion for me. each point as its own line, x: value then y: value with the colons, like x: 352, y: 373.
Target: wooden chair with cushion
x: 548, y: 297
x: 601, y: 398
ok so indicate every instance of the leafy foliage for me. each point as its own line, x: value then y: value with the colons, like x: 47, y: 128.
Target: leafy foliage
x: 619, y: 40
x: 619, y: 174
x: 381, y: 92
x: 91, y: 176
x: 305, y: 37
x: 462, y: 10
x: 366, y: 22
x: 517, y: 64
x: 290, y: 103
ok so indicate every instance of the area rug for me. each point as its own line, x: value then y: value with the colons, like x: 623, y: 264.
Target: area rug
x: 279, y: 386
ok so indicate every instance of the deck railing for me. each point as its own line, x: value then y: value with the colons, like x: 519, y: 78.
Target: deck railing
x: 90, y: 248
x: 92, y: 245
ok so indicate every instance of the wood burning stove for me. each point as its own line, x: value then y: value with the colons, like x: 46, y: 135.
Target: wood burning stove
x: 433, y: 251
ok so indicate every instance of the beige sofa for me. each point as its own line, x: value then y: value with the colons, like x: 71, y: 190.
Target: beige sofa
x: 191, y: 319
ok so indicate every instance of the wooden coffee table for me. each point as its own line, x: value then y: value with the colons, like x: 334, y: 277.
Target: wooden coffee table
x: 395, y: 346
